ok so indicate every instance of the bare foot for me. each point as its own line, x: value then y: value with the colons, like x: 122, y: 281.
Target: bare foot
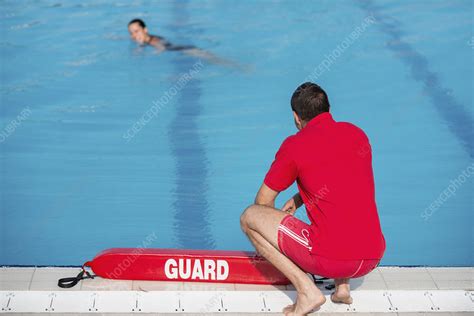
x: 289, y: 309
x: 341, y: 296
x: 305, y: 303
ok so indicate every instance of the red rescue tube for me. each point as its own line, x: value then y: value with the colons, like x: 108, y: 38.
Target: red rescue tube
x: 185, y: 265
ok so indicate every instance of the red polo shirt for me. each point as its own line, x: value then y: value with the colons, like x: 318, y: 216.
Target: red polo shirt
x: 332, y: 165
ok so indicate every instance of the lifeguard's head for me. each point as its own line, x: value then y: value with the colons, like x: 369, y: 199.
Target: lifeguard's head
x: 308, y: 101
x: 138, y: 31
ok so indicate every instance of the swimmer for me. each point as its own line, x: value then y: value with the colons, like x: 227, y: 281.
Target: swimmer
x: 139, y: 33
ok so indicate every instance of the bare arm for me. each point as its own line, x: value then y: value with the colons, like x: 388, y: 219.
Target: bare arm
x: 159, y: 47
x: 158, y: 43
x: 266, y: 196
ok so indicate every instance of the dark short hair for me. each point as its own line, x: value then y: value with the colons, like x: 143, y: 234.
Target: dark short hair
x: 309, y: 100
x: 139, y: 21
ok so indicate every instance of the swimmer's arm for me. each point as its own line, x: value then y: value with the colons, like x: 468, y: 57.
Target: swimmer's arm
x: 159, y: 43
x: 266, y: 196
x: 159, y: 47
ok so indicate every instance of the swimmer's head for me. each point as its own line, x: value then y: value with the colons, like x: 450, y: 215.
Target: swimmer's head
x: 138, y: 31
x: 308, y: 101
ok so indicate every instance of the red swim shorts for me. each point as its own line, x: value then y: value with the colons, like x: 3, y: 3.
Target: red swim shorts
x: 295, y: 243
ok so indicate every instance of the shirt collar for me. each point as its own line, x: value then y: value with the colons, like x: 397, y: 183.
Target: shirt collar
x: 323, y: 117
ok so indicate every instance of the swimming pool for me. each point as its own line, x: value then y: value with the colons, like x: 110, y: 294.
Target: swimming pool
x: 106, y: 145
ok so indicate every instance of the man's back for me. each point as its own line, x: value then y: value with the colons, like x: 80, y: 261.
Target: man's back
x: 334, y: 174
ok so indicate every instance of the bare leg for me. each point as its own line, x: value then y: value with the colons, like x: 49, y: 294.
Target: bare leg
x: 342, y: 293
x: 214, y: 59
x: 260, y: 223
x: 210, y: 57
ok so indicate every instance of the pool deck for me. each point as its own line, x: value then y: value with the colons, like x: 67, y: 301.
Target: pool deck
x: 405, y: 291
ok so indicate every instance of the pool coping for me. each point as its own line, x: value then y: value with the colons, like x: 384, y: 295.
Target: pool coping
x: 405, y: 284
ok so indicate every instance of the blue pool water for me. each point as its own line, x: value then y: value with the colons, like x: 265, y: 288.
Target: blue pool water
x: 79, y: 175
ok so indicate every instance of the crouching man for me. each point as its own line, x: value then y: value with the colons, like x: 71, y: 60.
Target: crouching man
x: 332, y: 165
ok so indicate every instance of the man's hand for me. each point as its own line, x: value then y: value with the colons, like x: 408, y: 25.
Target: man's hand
x: 292, y: 204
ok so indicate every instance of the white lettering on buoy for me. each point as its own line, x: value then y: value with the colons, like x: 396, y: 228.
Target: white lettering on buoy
x: 209, y: 269
x: 195, y: 270
x: 171, y: 272
x: 184, y: 269
x: 222, y: 269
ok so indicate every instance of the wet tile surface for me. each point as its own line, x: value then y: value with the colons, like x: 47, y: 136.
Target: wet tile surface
x: 383, y: 278
x: 100, y: 284
x: 47, y: 279
x: 157, y: 286
x: 16, y: 279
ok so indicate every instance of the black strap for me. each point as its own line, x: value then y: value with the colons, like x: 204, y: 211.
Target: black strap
x: 72, y: 281
x: 321, y: 281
